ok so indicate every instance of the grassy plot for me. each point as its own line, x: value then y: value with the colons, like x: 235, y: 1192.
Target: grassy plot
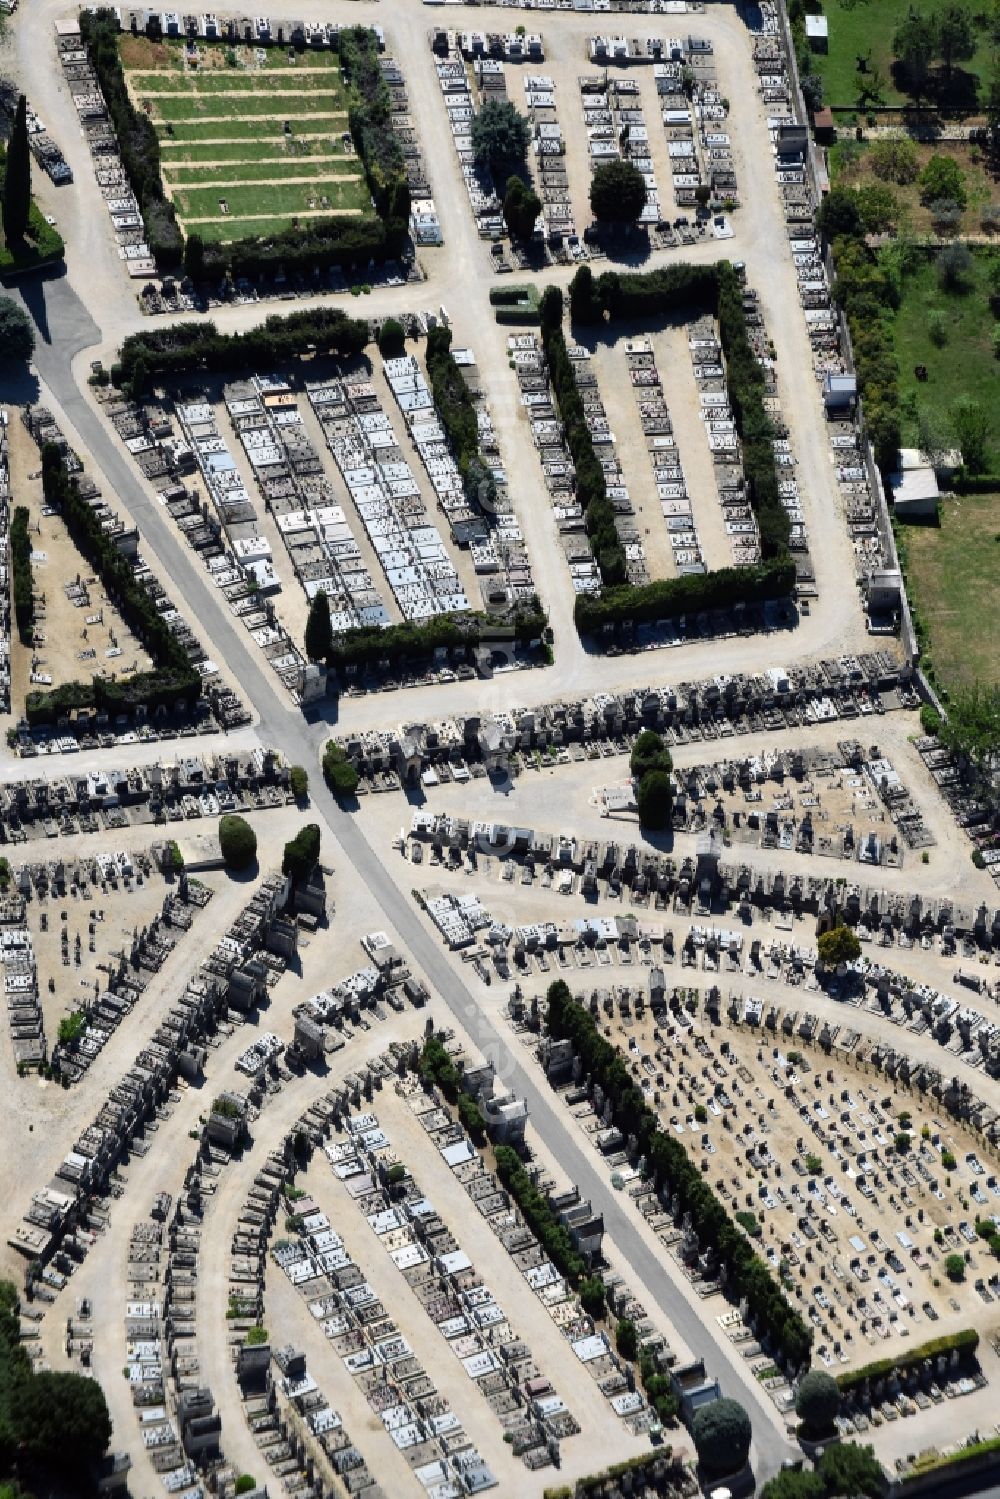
x: 223, y: 230
x: 849, y: 165
x: 282, y: 169
x: 866, y: 29
x: 953, y: 574
x: 41, y: 244
x: 963, y: 364
x: 266, y: 146
x: 186, y: 132
x: 278, y: 198
x: 258, y: 82
x: 238, y: 106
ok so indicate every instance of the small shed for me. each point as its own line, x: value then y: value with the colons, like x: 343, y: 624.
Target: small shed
x: 818, y: 33
x: 840, y: 395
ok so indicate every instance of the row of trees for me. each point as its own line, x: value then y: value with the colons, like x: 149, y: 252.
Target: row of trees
x: 746, y: 1274
x: 457, y: 414
x: 168, y: 351
x: 591, y: 486
x: 869, y: 293
x: 173, y: 677
x: 370, y: 121
x: 20, y: 561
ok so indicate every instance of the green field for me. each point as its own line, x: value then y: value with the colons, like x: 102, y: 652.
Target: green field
x: 953, y: 576
x: 266, y: 146
x: 965, y: 364
x: 862, y: 27
x: 222, y: 135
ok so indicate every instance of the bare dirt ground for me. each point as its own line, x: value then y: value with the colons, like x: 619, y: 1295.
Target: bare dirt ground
x: 64, y: 654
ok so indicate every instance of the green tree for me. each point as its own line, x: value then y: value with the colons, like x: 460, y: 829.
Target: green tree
x: 914, y: 46
x: 838, y: 214
x: 893, y: 158
x: 956, y: 39
x: 237, y: 842
x: 17, y: 336
x: 391, y: 340
x: 17, y: 178
x: 817, y: 1402
x: 792, y: 1485
x: 654, y: 799
x: 903, y: 1141
x: 302, y: 853
x: 60, y: 1419
x: 971, y: 426
x: 972, y: 728
x: 319, y: 632
x: 954, y: 1267
x: 879, y: 208
x: 617, y: 192
x: 245, y: 1484
x: 298, y: 781
x: 339, y: 773
x: 839, y: 945
x: 500, y: 136
x: 846, y: 1468
x: 584, y: 302
x: 592, y: 1296
x: 722, y: 1434
x: 942, y: 180
x: 626, y: 1339
x: 521, y: 207
x: 649, y: 753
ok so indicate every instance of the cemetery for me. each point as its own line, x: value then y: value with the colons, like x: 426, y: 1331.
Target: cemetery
x: 579, y: 1076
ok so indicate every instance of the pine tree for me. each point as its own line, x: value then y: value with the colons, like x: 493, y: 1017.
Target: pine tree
x: 319, y: 634
x: 17, y: 182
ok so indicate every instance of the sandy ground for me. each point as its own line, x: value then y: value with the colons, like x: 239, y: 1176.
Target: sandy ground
x: 64, y: 638
x: 563, y: 799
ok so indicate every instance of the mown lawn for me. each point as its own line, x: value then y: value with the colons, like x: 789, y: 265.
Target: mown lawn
x: 197, y: 132
x: 965, y: 364
x: 341, y: 175
x: 264, y: 146
x: 860, y: 27
x: 953, y: 573
x: 277, y: 198
x: 262, y: 81
x: 238, y: 106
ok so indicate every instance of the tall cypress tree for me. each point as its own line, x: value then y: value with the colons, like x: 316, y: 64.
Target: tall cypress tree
x: 17, y: 183
x: 319, y: 632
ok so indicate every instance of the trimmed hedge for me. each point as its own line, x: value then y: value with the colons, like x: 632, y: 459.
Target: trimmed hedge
x: 964, y: 1341
x: 690, y: 594
x: 173, y: 677
x: 367, y: 645
x: 457, y: 414
x: 188, y: 348
x: 690, y: 290
x: 20, y: 562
